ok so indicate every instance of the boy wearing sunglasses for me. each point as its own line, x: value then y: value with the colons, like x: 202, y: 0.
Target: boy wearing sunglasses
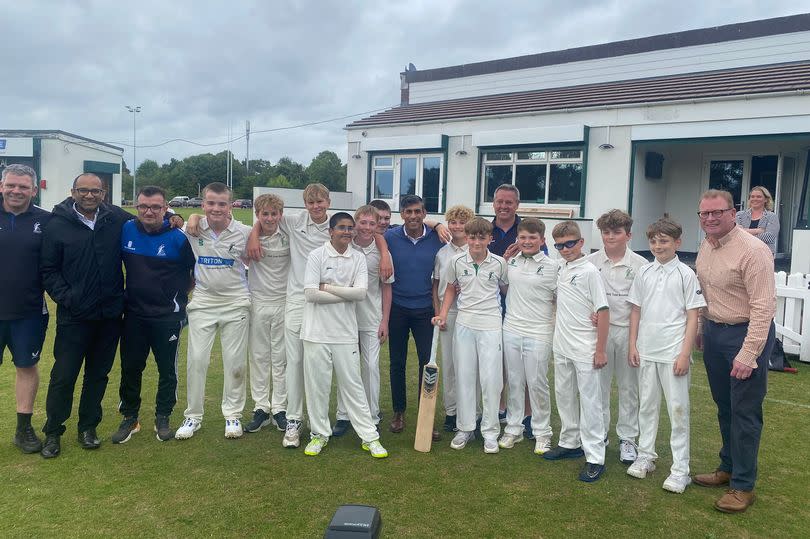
x: 579, y: 353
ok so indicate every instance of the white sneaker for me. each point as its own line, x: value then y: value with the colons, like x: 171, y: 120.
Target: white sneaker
x: 292, y: 434
x: 677, y: 483
x: 542, y: 445
x: 460, y: 439
x: 491, y: 447
x: 233, y: 428
x: 641, y: 467
x: 628, y: 452
x: 508, y: 441
x: 376, y: 449
x: 315, y: 445
x: 188, y: 428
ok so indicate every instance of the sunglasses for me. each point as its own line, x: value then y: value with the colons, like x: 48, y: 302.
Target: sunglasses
x: 566, y: 245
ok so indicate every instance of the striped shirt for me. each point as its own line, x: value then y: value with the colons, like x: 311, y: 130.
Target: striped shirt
x: 736, y: 277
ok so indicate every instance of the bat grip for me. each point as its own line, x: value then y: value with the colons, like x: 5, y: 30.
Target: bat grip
x: 434, y: 345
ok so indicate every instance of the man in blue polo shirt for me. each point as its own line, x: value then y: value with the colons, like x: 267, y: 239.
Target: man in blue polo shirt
x: 413, y: 247
x: 23, y: 315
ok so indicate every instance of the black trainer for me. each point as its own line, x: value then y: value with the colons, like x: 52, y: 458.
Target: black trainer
x: 52, y: 447
x: 527, y: 428
x: 591, y: 472
x: 449, y: 423
x: 260, y: 419
x: 27, y: 440
x: 162, y: 428
x: 280, y: 419
x: 88, y: 439
x: 341, y: 426
x: 564, y: 453
x: 128, y: 427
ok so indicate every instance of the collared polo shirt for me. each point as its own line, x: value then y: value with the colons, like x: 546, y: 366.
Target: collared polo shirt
x: 580, y: 293
x: 665, y: 292
x: 443, y: 258
x: 267, y: 278
x: 502, y: 239
x: 333, y: 323
x: 530, y: 301
x: 478, y: 300
x: 369, y: 311
x: 219, y: 272
x: 617, y: 279
x: 305, y: 235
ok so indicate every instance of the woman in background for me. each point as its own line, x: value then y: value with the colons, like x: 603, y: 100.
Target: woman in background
x: 759, y: 219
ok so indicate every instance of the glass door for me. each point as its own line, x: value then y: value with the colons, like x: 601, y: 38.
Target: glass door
x: 786, y: 202
x: 728, y: 173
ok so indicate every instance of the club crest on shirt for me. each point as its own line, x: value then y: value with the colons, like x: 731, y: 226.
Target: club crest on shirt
x: 466, y: 272
x: 161, y: 251
x: 572, y: 282
x: 37, y: 229
x: 200, y: 242
x: 513, y: 262
x: 539, y: 270
x: 629, y: 274
x: 491, y: 274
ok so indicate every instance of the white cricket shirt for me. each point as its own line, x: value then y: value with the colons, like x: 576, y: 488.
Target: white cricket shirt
x: 617, y: 279
x: 369, y: 311
x: 664, y: 293
x: 530, y: 301
x: 333, y: 323
x: 219, y: 272
x: 442, y: 261
x: 305, y: 236
x: 267, y: 278
x: 479, y: 304
x: 580, y: 293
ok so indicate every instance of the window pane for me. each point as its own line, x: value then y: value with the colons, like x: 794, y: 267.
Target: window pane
x: 407, y: 176
x: 531, y: 180
x: 498, y: 156
x: 534, y: 156
x: 430, y: 183
x: 495, y: 176
x: 383, y: 184
x: 383, y: 161
x: 566, y: 154
x: 727, y: 176
x: 566, y: 183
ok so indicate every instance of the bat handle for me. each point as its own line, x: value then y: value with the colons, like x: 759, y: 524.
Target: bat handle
x: 434, y: 345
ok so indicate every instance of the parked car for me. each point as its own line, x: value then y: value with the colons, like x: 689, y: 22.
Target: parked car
x: 243, y: 203
x: 195, y: 202
x: 178, y: 202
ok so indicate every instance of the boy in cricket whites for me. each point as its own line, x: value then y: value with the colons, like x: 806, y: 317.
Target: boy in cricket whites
x: 372, y: 317
x: 527, y: 335
x: 618, y: 266
x: 477, y: 342
x: 221, y: 302
x: 267, y: 280
x: 336, y: 279
x: 383, y: 215
x: 579, y: 353
x: 665, y: 299
x: 456, y: 217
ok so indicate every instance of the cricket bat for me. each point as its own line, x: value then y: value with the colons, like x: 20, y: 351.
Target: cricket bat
x: 427, y: 400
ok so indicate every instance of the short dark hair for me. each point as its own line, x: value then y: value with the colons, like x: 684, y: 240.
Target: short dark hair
x: 410, y: 200
x: 532, y: 225
x: 381, y: 205
x: 152, y: 190
x: 339, y: 216
x: 87, y: 174
x: 614, y: 220
x: 478, y: 226
x: 218, y: 188
x: 666, y: 227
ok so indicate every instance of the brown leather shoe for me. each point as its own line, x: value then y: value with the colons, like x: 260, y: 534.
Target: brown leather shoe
x: 397, y: 423
x: 717, y: 478
x: 436, y: 435
x: 735, y: 501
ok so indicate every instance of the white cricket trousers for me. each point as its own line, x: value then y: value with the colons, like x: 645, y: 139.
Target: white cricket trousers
x: 527, y: 366
x: 233, y: 322
x: 319, y: 361
x: 293, y: 314
x: 370, y: 373
x: 656, y: 377
x: 448, y: 364
x: 479, y: 357
x: 579, y: 403
x: 626, y: 382
x: 268, y: 358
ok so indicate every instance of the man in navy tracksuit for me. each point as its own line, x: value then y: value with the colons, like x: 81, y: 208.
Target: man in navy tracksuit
x: 159, y: 268
x: 23, y: 315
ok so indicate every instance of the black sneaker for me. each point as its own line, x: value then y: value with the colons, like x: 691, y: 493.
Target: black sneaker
x: 260, y: 419
x: 52, y: 447
x: 559, y: 453
x: 591, y: 472
x: 162, y: 428
x: 449, y: 423
x: 128, y: 427
x: 26, y: 439
x: 527, y: 428
x: 340, y: 428
x: 281, y: 420
x: 502, y: 417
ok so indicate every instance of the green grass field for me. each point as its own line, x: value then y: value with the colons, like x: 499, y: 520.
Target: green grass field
x: 212, y: 487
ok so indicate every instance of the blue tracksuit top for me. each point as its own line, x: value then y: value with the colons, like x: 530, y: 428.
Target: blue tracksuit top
x: 413, y: 267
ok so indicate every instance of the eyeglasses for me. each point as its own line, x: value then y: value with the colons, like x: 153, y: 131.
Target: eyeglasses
x: 143, y: 207
x: 717, y: 214
x: 344, y: 228
x: 83, y: 191
x: 566, y: 245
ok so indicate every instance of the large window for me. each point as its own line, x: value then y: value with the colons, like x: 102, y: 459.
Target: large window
x: 394, y: 176
x: 548, y: 176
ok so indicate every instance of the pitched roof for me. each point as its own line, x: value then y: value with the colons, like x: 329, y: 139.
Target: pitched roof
x: 52, y: 133
x: 725, y: 83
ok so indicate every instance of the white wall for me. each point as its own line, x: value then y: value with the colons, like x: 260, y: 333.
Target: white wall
x: 294, y: 198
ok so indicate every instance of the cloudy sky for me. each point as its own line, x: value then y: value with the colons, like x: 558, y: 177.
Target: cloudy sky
x: 197, y: 68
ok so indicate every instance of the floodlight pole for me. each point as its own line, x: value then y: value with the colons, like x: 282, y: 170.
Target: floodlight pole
x: 134, y: 109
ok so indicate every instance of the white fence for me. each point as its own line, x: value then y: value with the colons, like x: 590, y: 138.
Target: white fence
x: 793, y: 313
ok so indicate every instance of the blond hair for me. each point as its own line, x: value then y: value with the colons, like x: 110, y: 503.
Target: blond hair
x: 767, y: 194
x: 368, y: 209
x: 268, y: 201
x: 566, y: 228
x: 718, y: 193
x: 314, y: 191
x: 459, y: 213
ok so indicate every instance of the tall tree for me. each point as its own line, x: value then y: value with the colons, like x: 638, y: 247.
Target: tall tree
x: 327, y: 169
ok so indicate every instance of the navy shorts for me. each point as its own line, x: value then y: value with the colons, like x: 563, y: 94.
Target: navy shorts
x: 24, y: 338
